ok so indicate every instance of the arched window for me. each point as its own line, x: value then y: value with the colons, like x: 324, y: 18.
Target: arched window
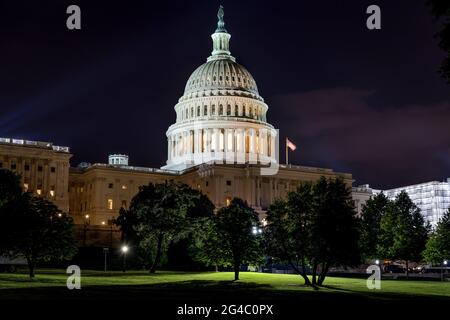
x: 192, y: 112
x: 205, y: 110
x: 213, y: 110
x: 228, y: 110
x: 198, y: 111
x: 220, y: 110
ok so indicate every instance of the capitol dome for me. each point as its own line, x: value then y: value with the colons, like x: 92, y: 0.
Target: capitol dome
x: 220, y: 117
x: 221, y: 74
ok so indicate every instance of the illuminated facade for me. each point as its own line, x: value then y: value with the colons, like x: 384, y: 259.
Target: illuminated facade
x: 433, y: 198
x: 220, y: 144
x: 44, y: 167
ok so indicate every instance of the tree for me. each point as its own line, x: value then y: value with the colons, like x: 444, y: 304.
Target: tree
x: 316, y: 226
x: 287, y: 235
x: 160, y: 214
x: 231, y: 239
x: 438, y: 246
x: 9, y: 187
x: 441, y: 10
x: 403, y: 232
x: 32, y: 227
x: 335, y: 229
x: 371, y: 215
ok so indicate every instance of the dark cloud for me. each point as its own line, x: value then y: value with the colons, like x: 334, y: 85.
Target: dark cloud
x: 111, y: 87
x: 384, y: 146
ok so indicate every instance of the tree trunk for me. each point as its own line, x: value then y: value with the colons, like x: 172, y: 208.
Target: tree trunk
x: 31, y: 263
x: 302, y: 273
x: 236, y: 270
x: 158, y: 254
x: 323, y: 274
x: 407, y: 269
x: 314, y: 273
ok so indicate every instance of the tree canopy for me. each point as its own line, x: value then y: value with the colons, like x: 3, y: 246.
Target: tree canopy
x: 315, y: 226
x: 32, y: 227
x: 438, y: 246
x: 441, y: 11
x: 403, y: 232
x: 371, y: 215
x: 161, y: 214
x: 233, y: 237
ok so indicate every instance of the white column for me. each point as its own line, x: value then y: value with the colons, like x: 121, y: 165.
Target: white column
x: 169, y: 145
x: 252, y: 156
x: 239, y: 148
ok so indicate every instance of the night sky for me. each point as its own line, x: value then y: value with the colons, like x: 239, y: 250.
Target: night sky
x: 367, y: 102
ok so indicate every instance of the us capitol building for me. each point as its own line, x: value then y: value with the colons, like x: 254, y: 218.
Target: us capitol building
x: 220, y: 143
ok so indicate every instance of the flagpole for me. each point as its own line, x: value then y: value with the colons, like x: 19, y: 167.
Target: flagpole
x: 287, y: 153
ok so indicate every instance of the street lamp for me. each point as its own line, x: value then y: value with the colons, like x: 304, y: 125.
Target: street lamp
x: 444, y: 264
x: 124, y: 252
x: 377, y: 262
x: 256, y: 230
x: 87, y: 222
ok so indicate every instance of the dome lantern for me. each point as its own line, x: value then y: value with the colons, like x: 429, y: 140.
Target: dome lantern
x: 221, y: 39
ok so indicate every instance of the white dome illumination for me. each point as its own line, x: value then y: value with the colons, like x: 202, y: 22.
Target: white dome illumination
x: 221, y: 117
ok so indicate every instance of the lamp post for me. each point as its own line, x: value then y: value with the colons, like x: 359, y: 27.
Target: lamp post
x: 444, y: 264
x: 124, y: 252
x: 105, y: 252
x: 87, y: 222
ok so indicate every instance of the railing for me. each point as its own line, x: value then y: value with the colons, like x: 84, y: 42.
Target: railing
x: 39, y: 144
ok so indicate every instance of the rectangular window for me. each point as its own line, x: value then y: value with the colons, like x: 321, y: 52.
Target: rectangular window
x: 39, y: 169
x: 228, y: 182
x: 53, y: 169
x: 13, y: 166
x: 26, y: 167
x: 124, y: 203
x: 110, y: 185
x: 110, y: 204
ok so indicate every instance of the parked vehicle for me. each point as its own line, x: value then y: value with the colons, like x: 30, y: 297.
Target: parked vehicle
x: 11, y: 264
x: 393, y: 268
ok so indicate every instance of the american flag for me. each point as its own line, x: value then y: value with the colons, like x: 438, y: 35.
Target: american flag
x: 290, y: 144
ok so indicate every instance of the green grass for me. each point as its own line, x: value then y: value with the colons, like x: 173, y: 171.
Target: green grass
x: 211, y: 286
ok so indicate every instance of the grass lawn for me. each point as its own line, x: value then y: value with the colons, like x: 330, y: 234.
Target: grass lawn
x: 212, y: 286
